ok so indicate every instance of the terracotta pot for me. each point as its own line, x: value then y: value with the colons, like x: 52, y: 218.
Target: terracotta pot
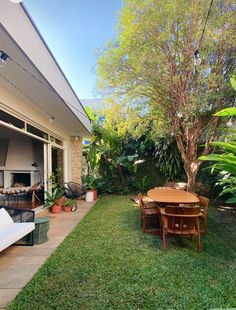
x: 67, y: 208
x: 55, y: 209
x: 60, y: 201
x: 95, y: 194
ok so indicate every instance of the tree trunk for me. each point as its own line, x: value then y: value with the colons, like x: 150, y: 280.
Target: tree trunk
x: 189, y: 156
x: 191, y: 170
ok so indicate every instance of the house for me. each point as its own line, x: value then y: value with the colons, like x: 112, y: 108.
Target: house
x: 42, y: 122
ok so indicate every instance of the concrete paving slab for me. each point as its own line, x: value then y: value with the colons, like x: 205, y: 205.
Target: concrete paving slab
x: 6, y: 296
x: 17, y: 276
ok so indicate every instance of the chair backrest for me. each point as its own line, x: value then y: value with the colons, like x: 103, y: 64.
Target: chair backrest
x: 76, y: 188
x: 141, y: 202
x: 181, y: 220
x: 176, y: 185
x: 145, y: 202
x: 204, y: 201
x: 162, y: 187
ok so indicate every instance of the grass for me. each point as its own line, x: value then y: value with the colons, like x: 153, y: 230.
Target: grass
x: 108, y: 263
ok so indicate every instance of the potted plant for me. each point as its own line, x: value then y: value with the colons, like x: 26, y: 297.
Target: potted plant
x: 91, y: 185
x: 56, y: 179
x: 69, y: 205
x: 54, y: 200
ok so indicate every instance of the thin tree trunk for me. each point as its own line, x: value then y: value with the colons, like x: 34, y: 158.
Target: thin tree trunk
x: 191, y: 170
x: 191, y: 164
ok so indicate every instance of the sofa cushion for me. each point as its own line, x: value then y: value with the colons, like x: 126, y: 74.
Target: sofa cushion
x: 14, y: 232
x: 5, y: 218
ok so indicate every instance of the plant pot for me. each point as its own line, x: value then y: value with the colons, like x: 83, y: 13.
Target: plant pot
x: 55, y: 209
x: 60, y: 201
x: 67, y: 208
x: 91, y: 195
x: 95, y: 194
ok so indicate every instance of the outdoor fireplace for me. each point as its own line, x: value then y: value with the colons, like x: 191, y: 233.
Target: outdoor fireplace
x: 19, y: 179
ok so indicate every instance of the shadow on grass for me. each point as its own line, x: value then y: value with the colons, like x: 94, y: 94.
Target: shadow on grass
x: 217, y: 242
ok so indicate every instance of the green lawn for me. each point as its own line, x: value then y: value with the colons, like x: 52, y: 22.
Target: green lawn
x: 108, y: 263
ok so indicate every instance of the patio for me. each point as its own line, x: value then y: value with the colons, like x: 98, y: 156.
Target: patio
x: 19, y: 264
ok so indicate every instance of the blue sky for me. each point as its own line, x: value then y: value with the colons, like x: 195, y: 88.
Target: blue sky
x: 73, y: 29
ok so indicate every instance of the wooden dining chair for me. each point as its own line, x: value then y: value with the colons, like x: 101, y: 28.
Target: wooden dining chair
x: 176, y: 185
x: 149, y: 209
x: 204, y: 203
x: 180, y: 221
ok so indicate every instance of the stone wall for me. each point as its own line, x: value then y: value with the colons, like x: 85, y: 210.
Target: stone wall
x: 77, y: 157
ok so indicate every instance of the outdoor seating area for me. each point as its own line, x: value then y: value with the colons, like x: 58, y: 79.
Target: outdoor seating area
x: 16, y: 194
x: 74, y: 190
x: 176, y: 212
x: 14, y: 225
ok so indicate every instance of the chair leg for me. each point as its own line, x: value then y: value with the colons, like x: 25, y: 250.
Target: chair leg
x: 160, y: 221
x: 198, y: 237
x: 199, y: 248
x: 143, y: 224
x: 163, y: 240
x: 205, y: 224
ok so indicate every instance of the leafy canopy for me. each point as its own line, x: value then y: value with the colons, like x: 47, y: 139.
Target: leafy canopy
x: 151, y: 68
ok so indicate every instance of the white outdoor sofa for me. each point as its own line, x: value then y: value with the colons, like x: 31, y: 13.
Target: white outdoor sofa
x: 15, y: 223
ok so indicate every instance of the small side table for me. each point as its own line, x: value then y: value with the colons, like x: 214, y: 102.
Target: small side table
x: 41, y: 229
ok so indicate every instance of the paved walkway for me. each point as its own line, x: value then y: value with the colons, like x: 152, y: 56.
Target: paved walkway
x: 19, y: 264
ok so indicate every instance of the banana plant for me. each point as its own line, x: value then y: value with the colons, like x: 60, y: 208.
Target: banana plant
x: 225, y: 162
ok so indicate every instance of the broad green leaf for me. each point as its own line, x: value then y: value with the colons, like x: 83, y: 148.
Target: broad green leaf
x: 90, y: 112
x: 233, y: 81
x: 231, y: 200
x: 226, y: 112
x: 225, y: 145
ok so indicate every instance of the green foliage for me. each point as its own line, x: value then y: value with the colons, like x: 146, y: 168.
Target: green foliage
x: 119, y: 158
x: 169, y: 161
x: 150, y: 69
x: 226, y: 112
x: 108, y: 263
x: 143, y: 184
x: 56, y: 179
x: 51, y: 199
x: 225, y: 162
x: 69, y: 202
x: 91, y: 182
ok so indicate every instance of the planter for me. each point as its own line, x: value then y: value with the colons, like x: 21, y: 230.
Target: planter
x: 60, y: 201
x: 41, y: 230
x: 95, y: 194
x: 91, y: 195
x: 55, y: 209
x: 67, y: 208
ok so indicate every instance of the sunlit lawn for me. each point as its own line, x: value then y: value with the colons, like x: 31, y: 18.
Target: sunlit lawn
x: 108, y: 263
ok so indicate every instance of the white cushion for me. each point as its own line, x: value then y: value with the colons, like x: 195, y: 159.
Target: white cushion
x: 5, y: 218
x: 14, y: 232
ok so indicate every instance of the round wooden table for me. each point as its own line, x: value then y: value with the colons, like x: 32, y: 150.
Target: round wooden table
x: 172, y: 196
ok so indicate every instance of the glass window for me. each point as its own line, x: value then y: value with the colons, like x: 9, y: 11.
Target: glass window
x: 8, y: 118
x: 55, y: 140
x: 37, y: 132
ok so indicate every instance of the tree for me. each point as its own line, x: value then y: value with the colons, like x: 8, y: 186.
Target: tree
x: 151, y: 66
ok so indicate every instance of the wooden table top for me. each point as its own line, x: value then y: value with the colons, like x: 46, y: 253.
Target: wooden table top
x: 168, y: 196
